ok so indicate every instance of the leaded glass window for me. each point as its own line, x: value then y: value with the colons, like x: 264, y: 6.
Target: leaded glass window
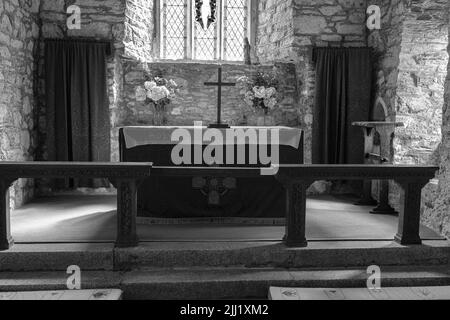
x: 235, y: 29
x: 205, y: 42
x: 174, y: 31
x: 185, y: 35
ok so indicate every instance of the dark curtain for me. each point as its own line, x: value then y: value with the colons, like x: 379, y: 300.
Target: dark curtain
x: 343, y: 96
x: 77, y: 104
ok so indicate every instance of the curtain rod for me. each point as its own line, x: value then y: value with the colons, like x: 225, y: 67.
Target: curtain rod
x: 67, y: 39
x: 340, y: 47
x: 109, y: 43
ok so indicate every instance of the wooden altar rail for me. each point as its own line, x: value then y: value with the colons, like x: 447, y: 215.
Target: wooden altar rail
x: 411, y: 179
x: 298, y: 178
x: 124, y: 176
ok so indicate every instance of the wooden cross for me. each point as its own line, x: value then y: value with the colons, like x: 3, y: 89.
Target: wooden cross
x: 219, y: 84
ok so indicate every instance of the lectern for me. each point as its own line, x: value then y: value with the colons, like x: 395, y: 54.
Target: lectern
x: 386, y: 131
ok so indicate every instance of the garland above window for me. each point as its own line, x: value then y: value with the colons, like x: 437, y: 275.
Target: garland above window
x: 205, y: 13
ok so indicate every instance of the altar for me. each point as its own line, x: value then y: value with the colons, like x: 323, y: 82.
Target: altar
x: 198, y: 196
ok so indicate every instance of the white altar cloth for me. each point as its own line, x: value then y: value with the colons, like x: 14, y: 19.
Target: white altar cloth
x: 148, y: 135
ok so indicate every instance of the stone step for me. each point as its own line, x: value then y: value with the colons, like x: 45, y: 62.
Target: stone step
x: 51, y: 257
x: 96, y: 294
x: 386, y: 293
x: 323, y: 254
x: 236, y: 283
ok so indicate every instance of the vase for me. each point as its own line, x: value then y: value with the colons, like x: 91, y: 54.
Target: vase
x: 159, y: 116
x: 261, y: 119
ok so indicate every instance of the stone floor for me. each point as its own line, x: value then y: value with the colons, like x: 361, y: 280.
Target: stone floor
x: 78, y: 218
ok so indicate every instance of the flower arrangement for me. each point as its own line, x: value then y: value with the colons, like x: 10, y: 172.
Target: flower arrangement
x: 158, y: 91
x: 260, y: 92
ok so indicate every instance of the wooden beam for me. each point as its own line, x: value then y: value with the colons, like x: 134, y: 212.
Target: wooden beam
x: 206, y: 171
x: 357, y: 172
x: 36, y: 169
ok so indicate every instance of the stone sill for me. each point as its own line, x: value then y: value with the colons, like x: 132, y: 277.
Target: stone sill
x: 208, y: 63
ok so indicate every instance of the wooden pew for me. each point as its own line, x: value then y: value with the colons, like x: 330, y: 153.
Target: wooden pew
x: 124, y: 176
x: 412, y: 179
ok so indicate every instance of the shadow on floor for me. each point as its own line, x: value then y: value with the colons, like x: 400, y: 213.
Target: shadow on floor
x: 81, y: 218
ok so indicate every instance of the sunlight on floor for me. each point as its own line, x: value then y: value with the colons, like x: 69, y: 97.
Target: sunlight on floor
x: 93, y: 218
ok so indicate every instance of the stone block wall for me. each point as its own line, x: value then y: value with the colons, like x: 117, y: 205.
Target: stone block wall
x: 100, y: 19
x: 436, y: 212
x: 275, y: 34
x: 420, y: 92
x: 19, y: 32
x: 386, y: 43
x: 139, y: 29
x: 195, y: 101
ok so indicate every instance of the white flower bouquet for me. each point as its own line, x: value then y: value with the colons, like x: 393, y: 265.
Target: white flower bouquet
x: 261, y: 92
x: 158, y: 91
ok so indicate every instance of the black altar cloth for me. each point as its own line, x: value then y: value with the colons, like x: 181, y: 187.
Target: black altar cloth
x: 200, y: 197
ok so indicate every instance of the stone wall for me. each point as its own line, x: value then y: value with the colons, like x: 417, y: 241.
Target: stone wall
x: 139, y: 29
x: 288, y: 31
x: 19, y: 31
x: 386, y: 43
x: 420, y: 93
x: 195, y: 101
x: 275, y: 34
x: 436, y: 212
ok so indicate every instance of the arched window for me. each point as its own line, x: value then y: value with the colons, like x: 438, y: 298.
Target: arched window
x: 205, y: 30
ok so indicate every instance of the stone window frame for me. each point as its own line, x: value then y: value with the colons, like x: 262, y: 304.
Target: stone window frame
x: 252, y: 23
